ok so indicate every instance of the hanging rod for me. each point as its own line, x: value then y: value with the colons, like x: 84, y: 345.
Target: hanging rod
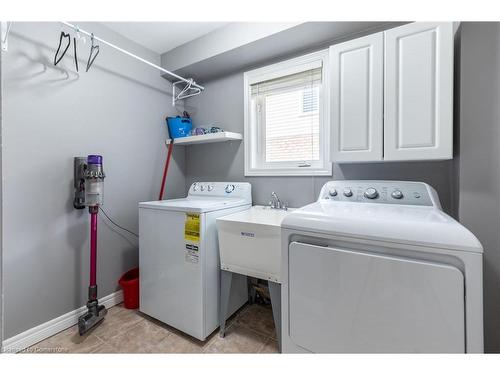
x: 188, y: 81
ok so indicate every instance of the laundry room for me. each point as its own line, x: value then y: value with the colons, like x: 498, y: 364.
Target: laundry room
x: 217, y: 185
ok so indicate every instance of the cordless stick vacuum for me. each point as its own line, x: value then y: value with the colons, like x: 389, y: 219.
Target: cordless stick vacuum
x: 90, y: 173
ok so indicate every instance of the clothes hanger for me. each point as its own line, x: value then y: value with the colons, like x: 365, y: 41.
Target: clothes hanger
x: 76, y: 57
x: 92, y: 56
x: 186, y: 92
x: 63, y: 35
x: 81, y: 38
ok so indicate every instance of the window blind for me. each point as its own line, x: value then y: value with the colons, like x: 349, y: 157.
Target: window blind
x: 288, y: 115
x: 308, y: 78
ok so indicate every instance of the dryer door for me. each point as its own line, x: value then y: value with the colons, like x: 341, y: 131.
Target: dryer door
x: 348, y: 301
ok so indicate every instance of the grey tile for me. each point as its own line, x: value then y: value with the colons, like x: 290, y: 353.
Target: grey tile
x: 129, y: 331
x: 116, y: 322
x: 270, y: 347
x: 233, y: 318
x: 67, y: 341
x: 143, y: 337
x: 238, y: 339
x: 180, y: 343
x: 104, y: 348
x: 258, y: 318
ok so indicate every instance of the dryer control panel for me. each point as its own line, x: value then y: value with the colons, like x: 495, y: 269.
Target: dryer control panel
x: 386, y: 192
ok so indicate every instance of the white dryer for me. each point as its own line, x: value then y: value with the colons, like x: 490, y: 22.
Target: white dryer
x: 377, y: 266
x: 179, y: 256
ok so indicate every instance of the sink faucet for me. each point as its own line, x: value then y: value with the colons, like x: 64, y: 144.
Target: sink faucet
x: 276, y: 203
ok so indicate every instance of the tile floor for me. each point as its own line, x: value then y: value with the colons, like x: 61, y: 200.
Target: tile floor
x: 249, y: 330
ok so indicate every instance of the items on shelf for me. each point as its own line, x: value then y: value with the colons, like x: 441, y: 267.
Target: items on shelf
x: 179, y: 127
x: 202, y: 130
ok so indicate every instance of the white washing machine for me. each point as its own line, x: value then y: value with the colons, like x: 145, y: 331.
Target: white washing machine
x: 179, y: 256
x: 377, y: 266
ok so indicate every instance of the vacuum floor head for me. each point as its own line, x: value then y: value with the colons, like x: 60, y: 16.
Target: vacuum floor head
x: 94, y: 315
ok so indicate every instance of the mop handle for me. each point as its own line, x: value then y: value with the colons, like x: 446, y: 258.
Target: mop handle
x: 165, y: 170
x: 93, y: 246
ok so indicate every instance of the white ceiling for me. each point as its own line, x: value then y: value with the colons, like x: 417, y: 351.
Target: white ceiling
x: 161, y: 37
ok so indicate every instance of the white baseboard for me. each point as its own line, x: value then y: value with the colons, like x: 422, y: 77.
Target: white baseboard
x: 36, y: 334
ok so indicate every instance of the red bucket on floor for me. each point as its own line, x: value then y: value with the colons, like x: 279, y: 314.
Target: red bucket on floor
x: 130, y: 286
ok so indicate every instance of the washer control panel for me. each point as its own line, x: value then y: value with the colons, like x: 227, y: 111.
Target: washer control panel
x: 221, y: 189
x: 386, y: 192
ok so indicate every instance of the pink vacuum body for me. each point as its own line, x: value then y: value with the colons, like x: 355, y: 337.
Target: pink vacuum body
x: 93, y: 175
x: 93, y: 249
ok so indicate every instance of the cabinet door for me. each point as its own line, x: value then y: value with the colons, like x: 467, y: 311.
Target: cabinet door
x: 418, y: 101
x: 357, y: 93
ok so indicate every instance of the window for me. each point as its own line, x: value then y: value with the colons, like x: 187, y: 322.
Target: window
x: 310, y: 100
x: 286, y: 117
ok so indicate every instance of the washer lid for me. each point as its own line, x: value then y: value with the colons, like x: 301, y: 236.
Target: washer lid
x: 194, y: 204
x: 415, y: 225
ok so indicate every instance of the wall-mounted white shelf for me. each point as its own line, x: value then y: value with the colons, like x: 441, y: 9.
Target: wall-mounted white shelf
x: 207, y: 138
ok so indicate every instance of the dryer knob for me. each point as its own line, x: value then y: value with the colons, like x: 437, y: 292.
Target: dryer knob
x: 332, y: 192
x: 229, y: 188
x: 210, y: 187
x: 202, y: 187
x: 371, y: 193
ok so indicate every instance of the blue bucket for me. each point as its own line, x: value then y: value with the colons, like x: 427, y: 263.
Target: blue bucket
x: 179, y: 127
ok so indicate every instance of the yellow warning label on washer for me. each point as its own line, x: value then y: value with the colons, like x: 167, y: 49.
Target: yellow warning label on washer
x: 192, y: 227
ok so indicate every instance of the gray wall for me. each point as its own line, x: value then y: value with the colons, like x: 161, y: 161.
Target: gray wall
x: 479, y: 173
x: 51, y: 114
x: 222, y: 103
x: 1, y: 216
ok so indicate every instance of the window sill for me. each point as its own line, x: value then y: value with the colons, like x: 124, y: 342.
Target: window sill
x: 284, y: 172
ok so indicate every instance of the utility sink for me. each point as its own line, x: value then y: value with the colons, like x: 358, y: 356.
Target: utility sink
x: 250, y: 242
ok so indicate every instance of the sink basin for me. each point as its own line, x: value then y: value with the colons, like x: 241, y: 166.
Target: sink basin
x: 250, y: 242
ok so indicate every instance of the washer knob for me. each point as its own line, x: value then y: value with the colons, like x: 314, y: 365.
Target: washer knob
x: 332, y: 193
x: 202, y: 187
x: 348, y: 192
x: 229, y: 188
x: 371, y: 193
x: 210, y: 187
x: 195, y: 186
x: 397, y: 194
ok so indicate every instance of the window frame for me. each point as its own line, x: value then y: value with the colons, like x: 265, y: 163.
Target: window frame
x: 254, y: 141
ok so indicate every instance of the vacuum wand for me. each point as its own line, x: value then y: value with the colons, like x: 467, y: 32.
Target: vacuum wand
x: 93, y: 253
x: 93, y: 175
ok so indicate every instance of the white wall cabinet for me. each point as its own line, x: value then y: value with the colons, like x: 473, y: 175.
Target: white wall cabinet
x: 357, y: 106
x: 418, y: 98
x: 410, y: 70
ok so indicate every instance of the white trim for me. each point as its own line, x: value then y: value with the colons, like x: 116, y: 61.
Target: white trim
x: 276, y: 70
x: 36, y: 334
x: 298, y: 171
